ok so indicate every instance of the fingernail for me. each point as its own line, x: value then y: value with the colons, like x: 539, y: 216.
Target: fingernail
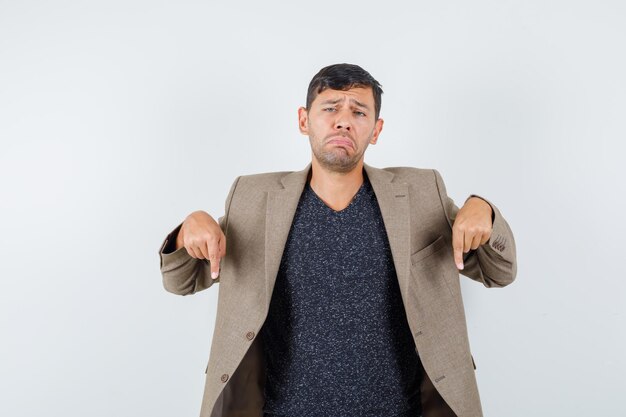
x: 459, y: 265
x: 214, y: 275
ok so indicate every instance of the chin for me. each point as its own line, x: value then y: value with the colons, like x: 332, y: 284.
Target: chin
x: 335, y: 165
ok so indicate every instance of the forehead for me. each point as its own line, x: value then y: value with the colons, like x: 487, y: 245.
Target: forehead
x: 364, y: 95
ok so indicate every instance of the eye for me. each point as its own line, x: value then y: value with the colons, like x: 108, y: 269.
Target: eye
x: 329, y: 109
x: 360, y: 113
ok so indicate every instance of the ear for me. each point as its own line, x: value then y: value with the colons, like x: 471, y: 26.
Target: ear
x: 378, y: 127
x: 303, y: 121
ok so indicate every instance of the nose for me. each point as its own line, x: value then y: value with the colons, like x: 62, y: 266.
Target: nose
x: 342, y: 122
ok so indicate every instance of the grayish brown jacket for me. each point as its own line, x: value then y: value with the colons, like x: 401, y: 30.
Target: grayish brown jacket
x: 418, y: 217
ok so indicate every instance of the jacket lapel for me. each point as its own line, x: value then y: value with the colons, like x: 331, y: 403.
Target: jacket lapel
x: 393, y: 200
x: 281, y: 208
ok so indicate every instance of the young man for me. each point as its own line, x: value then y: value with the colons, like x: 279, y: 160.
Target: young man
x: 339, y: 286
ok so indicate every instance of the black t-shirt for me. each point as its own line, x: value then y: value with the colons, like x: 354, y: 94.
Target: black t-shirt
x: 336, y: 339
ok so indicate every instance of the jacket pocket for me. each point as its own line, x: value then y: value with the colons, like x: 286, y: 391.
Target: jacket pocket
x: 436, y: 245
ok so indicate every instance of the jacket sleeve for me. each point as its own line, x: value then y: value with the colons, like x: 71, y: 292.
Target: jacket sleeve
x: 183, y: 274
x: 494, y: 263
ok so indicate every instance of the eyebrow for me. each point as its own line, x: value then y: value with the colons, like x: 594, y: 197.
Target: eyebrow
x: 358, y: 103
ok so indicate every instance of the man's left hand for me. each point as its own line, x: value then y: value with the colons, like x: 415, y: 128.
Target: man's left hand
x: 472, y: 228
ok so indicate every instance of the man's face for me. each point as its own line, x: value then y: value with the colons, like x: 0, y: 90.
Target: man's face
x: 340, y: 126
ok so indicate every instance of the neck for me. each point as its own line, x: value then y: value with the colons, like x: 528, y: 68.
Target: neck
x: 336, y: 189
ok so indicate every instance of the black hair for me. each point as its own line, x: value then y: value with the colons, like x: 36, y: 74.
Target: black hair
x: 343, y: 77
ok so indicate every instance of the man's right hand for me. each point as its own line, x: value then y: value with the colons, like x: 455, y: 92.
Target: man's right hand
x: 203, y: 238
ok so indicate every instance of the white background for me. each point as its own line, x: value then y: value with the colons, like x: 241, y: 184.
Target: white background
x: 119, y: 118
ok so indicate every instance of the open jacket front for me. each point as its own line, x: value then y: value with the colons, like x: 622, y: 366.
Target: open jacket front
x: 418, y: 217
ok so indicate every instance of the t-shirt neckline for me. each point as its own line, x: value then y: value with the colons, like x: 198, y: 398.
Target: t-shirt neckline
x: 352, y: 202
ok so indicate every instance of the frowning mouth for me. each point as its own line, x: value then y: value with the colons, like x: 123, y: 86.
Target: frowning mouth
x: 341, y: 141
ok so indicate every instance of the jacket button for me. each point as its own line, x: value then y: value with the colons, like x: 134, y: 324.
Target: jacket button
x: 250, y: 335
x: 224, y: 377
